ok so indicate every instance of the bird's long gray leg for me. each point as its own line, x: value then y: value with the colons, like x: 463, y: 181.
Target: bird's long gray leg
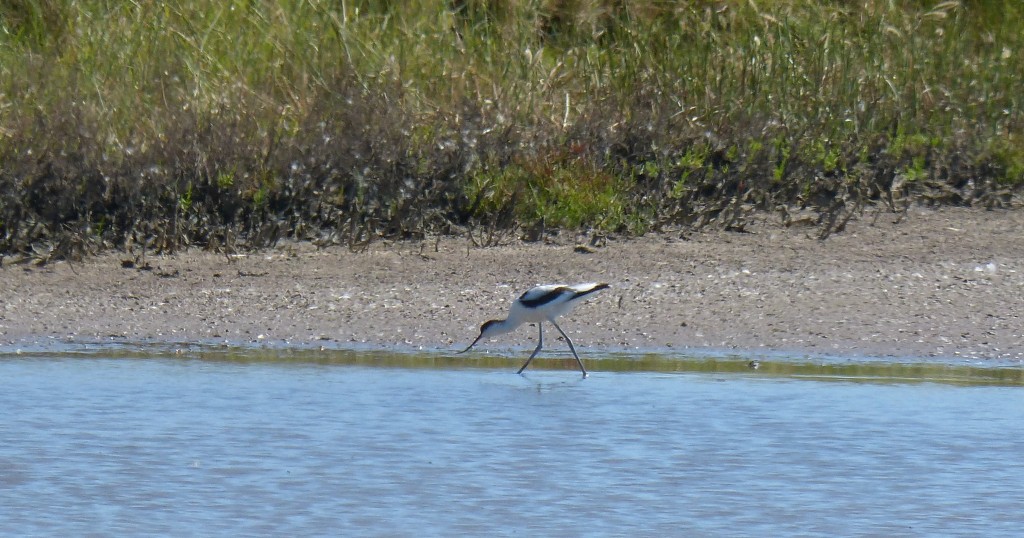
x: 571, y: 348
x: 540, y: 343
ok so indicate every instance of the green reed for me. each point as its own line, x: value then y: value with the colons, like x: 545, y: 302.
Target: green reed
x: 146, y: 125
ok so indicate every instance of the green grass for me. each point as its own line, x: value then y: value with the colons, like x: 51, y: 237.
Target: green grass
x: 233, y: 124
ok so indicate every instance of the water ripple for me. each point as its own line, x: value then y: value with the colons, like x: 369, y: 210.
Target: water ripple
x: 184, y: 446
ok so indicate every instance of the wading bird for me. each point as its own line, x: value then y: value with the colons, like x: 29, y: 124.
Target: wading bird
x: 537, y: 305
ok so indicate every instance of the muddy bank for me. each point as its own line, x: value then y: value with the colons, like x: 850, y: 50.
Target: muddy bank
x: 946, y: 283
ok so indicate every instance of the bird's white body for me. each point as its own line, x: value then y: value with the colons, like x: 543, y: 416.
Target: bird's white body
x: 537, y: 305
x: 566, y: 299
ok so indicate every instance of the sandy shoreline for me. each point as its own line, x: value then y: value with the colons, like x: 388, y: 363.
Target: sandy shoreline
x: 946, y: 283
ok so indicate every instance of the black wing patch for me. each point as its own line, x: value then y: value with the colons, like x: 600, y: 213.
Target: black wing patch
x: 598, y: 287
x: 542, y: 300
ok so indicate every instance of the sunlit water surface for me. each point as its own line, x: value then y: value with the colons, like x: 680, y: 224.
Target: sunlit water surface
x: 106, y: 444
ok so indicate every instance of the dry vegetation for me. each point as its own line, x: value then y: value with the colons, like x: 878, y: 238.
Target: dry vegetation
x: 151, y: 126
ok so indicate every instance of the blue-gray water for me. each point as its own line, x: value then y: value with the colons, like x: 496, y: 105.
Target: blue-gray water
x: 182, y: 446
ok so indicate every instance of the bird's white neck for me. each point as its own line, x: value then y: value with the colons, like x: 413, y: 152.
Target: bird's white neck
x: 502, y: 326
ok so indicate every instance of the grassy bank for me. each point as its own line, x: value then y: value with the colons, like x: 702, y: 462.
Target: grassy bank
x: 234, y: 124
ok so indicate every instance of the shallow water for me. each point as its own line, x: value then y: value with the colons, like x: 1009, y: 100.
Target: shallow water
x: 121, y: 441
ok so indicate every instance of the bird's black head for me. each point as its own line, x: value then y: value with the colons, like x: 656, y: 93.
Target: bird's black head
x: 483, y: 332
